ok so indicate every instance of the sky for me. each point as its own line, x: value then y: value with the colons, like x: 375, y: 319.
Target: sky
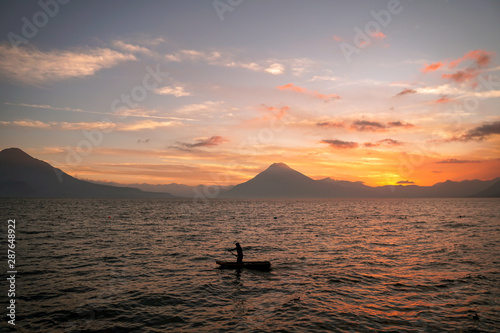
x: 213, y: 92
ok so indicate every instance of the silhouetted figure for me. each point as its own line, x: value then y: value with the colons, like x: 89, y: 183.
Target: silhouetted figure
x: 239, y: 250
x: 475, y: 316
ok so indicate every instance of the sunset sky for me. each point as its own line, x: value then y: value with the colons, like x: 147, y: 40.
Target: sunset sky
x: 213, y: 92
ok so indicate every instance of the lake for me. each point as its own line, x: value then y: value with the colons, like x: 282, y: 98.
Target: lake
x: 338, y: 265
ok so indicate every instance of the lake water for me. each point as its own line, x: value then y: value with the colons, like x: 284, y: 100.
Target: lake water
x: 344, y: 265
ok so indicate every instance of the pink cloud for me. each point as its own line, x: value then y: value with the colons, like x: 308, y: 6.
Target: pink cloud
x: 337, y: 38
x: 379, y: 35
x: 292, y: 87
x: 462, y: 75
x: 276, y: 112
x: 315, y: 94
x: 442, y: 100
x: 432, y: 67
x: 481, y: 58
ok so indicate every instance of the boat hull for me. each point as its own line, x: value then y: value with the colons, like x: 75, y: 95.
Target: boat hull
x: 258, y: 265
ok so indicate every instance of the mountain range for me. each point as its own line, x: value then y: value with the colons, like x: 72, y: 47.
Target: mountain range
x: 280, y: 181
x: 24, y: 176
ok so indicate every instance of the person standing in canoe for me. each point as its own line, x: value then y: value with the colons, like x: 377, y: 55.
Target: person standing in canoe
x: 239, y: 250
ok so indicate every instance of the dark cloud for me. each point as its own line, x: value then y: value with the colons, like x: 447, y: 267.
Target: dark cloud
x: 405, y: 182
x: 143, y: 140
x: 456, y: 161
x: 341, y: 144
x: 406, y: 92
x: 385, y: 142
x: 481, y: 132
x: 210, y: 142
x: 461, y: 76
x: 399, y: 124
x: 330, y: 124
x: 368, y: 126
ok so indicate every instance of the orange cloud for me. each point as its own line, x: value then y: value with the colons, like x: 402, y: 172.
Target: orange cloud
x: 292, y: 87
x: 432, y: 67
x: 276, y: 112
x: 337, y: 38
x: 443, y: 99
x: 481, y: 58
x: 379, y: 35
x: 315, y: 94
x: 462, y: 76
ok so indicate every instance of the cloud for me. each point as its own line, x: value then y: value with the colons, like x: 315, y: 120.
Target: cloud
x: 456, y: 161
x: 177, y: 91
x: 337, y: 38
x: 399, y: 124
x: 375, y: 126
x: 466, y: 75
x: 193, y: 55
x: 206, y: 142
x: 49, y: 107
x: 330, y: 124
x: 99, y: 125
x: 405, y: 182
x: 277, y: 113
x: 478, y: 133
x: 432, y: 67
x: 378, y: 35
x: 315, y: 94
x: 385, y: 142
x: 368, y: 126
x: 444, y: 89
x: 133, y: 113
x: 339, y: 144
x: 442, y: 100
x: 483, y: 131
x: 406, y: 92
x: 276, y: 69
x: 324, y: 78
x: 147, y: 125
x: 131, y: 48
x: 25, y: 123
x: 480, y: 59
x: 31, y: 66
x: 487, y: 94
x: 215, y: 58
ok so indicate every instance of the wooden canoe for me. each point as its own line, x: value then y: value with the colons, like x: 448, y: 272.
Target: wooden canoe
x: 259, y: 265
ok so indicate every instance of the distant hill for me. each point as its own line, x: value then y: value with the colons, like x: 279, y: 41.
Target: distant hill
x: 281, y: 181
x: 24, y: 176
x: 178, y: 190
x: 493, y: 191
